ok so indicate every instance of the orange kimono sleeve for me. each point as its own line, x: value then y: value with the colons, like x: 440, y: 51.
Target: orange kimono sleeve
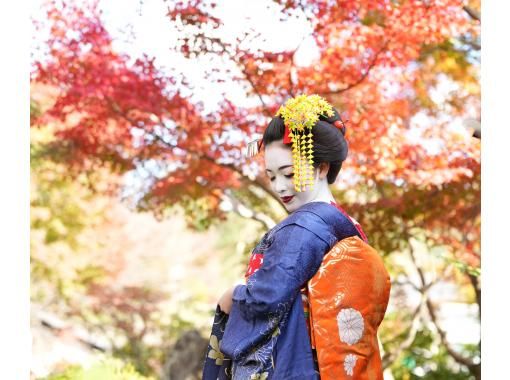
x: 348, y: 297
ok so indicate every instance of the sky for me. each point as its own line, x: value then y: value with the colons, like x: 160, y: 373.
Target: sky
x: 144, y: 28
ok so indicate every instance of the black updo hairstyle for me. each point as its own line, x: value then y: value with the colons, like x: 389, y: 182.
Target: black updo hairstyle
x: 329, y: 144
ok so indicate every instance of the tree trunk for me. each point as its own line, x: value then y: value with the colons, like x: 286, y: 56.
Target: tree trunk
x: 186, y: 357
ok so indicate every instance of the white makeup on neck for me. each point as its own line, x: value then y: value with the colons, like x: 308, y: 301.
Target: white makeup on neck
x: 279, y: 168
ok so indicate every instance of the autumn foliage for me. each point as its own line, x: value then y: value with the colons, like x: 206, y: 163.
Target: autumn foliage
x: 374, y: 65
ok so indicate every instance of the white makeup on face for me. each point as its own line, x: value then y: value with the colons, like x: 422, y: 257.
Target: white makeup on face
x: 279, y: 169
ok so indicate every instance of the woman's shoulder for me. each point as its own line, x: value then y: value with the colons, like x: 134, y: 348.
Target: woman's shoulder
x: 323, y: 219
x: 315, y: 217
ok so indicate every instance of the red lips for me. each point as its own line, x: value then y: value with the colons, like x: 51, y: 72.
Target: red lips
x: 287, y: 199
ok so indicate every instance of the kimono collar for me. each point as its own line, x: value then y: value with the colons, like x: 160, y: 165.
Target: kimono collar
x: 324, y: 220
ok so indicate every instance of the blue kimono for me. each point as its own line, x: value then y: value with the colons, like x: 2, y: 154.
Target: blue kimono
x: 265, y: 335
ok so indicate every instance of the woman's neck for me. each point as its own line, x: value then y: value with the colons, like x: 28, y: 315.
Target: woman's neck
x: 323, y: 193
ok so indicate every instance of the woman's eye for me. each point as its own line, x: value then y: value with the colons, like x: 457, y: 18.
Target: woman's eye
x: 287, y: 175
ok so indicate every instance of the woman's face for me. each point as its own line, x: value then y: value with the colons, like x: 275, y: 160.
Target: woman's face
x: 279, y: 169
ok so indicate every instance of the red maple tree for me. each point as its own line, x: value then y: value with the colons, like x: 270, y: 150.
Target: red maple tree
x: 379, y: 61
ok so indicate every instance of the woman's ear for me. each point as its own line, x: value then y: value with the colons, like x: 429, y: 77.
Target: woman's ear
x: 323, y: 170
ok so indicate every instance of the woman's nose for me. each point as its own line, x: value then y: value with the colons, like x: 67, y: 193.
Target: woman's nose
x: 280, y: 185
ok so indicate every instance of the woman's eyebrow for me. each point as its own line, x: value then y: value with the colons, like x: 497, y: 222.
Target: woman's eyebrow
x: 280, y: 168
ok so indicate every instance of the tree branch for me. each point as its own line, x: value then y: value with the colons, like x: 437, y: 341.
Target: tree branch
x: 433, y: 316
x: 475, y: 15
x: 390, y: 357
x: 475, y: 282
x: 473, y: 44
x: 248, y: 78
x: 246, y: 212
x: 363, y: 76
x: 458, y: 358
x: 257, y: 182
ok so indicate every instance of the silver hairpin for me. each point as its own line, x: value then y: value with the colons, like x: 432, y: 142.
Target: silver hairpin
x: 253, y: 148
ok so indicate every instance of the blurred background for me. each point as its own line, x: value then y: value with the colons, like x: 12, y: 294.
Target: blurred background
x: 144, y: 209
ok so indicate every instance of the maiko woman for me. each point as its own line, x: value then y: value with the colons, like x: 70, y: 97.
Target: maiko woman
x: 315, y: 291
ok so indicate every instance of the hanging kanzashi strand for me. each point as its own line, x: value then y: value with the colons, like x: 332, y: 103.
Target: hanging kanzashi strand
x: 300, y: 114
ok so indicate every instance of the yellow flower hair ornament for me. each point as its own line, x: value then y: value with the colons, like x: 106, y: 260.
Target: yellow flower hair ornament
x: 300, y: 114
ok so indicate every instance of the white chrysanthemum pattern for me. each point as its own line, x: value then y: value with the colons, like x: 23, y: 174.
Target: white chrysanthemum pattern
x: 349, y: 363
x: 350, y: 325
